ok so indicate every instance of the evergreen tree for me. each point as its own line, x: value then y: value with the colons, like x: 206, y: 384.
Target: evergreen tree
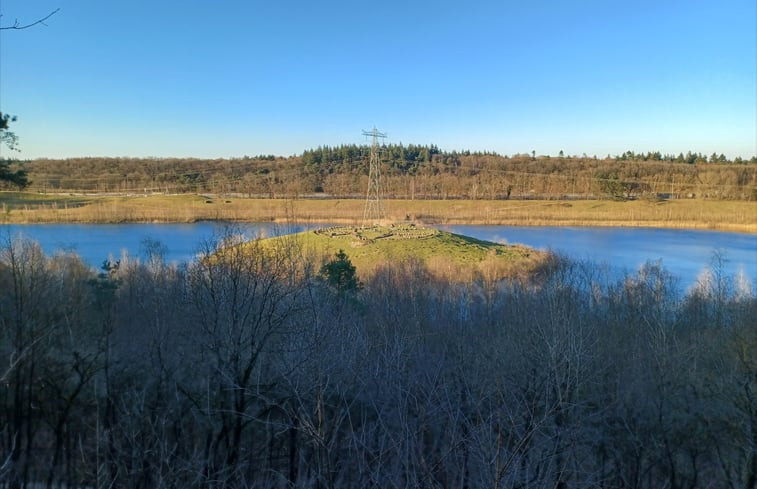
x: 9, y: 139
x: 340, y: 274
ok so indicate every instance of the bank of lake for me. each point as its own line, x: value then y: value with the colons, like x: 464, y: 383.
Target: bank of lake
x: 737, y: 216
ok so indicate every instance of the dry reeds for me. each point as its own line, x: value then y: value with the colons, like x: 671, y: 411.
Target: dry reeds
x: 685, y: 213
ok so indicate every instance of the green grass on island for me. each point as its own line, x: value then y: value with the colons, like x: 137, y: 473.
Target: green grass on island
x: 443, y: 253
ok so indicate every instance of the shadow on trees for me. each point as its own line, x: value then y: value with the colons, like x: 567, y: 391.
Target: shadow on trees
x: 248, y: 368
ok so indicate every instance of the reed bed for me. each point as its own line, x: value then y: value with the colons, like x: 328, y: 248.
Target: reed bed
x: 737, y: 216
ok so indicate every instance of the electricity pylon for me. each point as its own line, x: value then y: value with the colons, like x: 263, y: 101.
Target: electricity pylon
x: 374, y: 208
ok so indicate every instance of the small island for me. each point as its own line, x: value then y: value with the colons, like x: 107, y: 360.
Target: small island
x: 443, y: 253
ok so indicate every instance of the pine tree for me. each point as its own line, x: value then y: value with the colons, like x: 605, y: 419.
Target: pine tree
x: 341, y: 274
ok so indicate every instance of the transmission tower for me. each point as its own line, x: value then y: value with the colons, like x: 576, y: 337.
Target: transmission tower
x: 374, y: 209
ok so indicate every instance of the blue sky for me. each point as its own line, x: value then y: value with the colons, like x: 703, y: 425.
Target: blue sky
x: 228, y: 78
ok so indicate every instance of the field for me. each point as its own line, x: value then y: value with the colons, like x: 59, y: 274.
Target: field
x: 738, y: 216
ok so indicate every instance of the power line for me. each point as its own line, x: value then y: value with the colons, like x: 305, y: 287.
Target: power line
x: 374, y: 210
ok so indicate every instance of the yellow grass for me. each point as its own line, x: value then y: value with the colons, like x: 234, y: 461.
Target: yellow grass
x: 685, y: 213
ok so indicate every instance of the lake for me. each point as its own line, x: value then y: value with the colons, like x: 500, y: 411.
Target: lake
x: 685, y: 253
x: 97, y: 242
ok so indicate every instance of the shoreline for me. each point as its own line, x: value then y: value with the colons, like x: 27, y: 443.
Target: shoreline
x: 692, y: 214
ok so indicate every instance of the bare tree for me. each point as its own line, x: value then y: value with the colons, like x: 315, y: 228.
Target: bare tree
x: 19, y: 26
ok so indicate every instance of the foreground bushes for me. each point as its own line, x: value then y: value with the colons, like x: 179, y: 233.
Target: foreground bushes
x: 249, y: 370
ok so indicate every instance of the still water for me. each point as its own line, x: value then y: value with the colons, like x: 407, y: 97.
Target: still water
x: 95, y: 243
x: 684, y: 253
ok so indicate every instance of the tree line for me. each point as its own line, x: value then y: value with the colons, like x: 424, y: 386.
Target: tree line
x: 266, y: 367
x: 411, y: 172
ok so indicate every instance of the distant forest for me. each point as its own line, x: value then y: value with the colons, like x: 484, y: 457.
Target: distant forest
x: 409, y: 172
x: 262, y: 368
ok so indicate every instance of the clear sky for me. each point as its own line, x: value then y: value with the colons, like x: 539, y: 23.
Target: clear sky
x: 227, y: 78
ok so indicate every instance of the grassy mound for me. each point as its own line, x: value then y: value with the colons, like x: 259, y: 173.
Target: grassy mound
x: 445, y: 254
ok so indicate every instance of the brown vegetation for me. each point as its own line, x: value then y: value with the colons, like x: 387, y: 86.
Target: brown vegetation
x: 420, y: 183
x: 683, y: 213
x: 253, y: 371
x: 413, y: 172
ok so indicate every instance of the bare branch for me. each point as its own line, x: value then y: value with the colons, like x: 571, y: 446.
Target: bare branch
x: 18, y: 27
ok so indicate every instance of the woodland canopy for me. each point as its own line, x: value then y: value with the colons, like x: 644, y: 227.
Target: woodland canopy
x: 411, y: 172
